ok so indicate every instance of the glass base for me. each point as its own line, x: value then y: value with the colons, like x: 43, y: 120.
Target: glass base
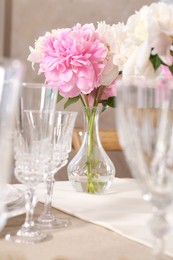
x: 52, y: 222
x: 30, y: 236
x: 98, y: 185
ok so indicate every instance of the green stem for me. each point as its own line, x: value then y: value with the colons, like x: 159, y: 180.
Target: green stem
x: 86, y: 100
x: 96, y: 101
x: 91, y: 113
x: 82, y: 100
x: 101, y: 93
x: 90, y: 117
x: 91, y: 131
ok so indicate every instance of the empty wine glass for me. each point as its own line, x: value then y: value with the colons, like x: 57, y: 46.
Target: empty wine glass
x: 32, y: 153
x: 61, y: 147
x: 145, y: 128
x: 11, y: 74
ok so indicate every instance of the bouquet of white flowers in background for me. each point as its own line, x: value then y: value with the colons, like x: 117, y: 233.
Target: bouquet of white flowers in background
x: 149, y: 37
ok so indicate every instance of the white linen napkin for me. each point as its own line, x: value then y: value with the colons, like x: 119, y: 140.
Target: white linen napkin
x: 121, y: 210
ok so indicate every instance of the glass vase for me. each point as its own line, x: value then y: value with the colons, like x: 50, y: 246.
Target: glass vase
x: 91, y: 170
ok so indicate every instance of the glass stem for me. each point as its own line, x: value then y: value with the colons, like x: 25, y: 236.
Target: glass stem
x: 159, y: 227
x: 30, y: 200
x: 49, y: 185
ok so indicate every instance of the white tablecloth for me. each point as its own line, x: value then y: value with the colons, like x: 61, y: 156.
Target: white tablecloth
x: 121, y: 210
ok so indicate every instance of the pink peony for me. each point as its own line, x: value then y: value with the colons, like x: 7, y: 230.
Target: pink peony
x: 109, y: 91
x: 79, y: 62
x: 165, y: 72
x: 74, y: 59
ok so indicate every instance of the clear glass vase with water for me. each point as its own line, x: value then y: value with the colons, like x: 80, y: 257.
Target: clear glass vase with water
x: 91, y: 169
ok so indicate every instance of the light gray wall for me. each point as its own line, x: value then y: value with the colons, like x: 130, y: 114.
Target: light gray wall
x: 2, y: 13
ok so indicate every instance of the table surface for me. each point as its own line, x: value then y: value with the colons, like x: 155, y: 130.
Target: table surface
x: 80, y: 241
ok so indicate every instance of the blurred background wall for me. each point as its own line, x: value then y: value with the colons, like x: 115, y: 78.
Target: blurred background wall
x: 23, y: 21
x: 2, y: 20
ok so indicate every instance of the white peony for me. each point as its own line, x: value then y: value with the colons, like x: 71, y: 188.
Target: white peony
x: 149, y: 31
x: 161, y: 31
x: 114, y: 36
x: 137, y: 26
x: 138, y: 64
x: 36, y: 53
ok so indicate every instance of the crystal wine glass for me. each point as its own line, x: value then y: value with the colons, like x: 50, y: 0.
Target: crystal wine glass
x: 11, y: 73
x: 32, y: 153
x: 61, y: 147
x: 145, y: 127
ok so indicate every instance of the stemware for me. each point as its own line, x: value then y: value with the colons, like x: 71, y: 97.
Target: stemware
x: 145, y: 127
x: 11, y: 74
x: 32, y: 153
x: 61, y: 147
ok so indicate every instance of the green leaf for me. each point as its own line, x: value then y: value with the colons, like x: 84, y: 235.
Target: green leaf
x: 104, y: 108
x: 71, y: 101
x: 59, y: 97
x: 111, y: 102
x: 156, y: 61
x: 171, y: 68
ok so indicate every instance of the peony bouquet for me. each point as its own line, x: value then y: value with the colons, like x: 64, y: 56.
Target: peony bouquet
x: 84, y: 63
